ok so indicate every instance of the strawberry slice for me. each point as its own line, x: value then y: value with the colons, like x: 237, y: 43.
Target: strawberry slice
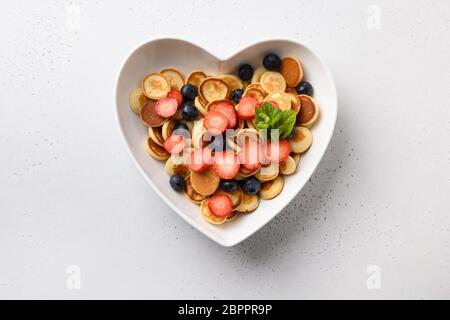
x: 199, y: 159
x: 175, y: 94
x: 228, y: 110
x: 250, y: 155
x: 226, y: 164
x: 278, y: 151
x: 215, y: 122
x: 246, y: 108
x: 166, y: 107
x: 220, y: 205
x: 175, y: 144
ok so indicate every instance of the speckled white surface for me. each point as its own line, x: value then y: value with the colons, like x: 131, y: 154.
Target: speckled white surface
x: 70, y: 195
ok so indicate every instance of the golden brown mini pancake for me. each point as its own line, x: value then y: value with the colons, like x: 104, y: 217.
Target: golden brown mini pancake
x: 137, y: 100
x: 271, y: 189
x: 258, y: 74
x: 196, y: 77
x: 212, y: 89
x: 288, y: 166
x: 206, y: 182
x: 191, y: 194
x: 301, y: 141
x: 292, y: 71
x: 256, y: 93
x: 250, y: 202
x: 209, y: 105
x: 281, y: 98
x: 156, y: 151
x: 168, y: 128
x: 155, y: 86
x: 232, y: 81
x: 155, y: 133
x: 175, y: 77
x: 309, y: 111
x: 149, y: 115
x: 295, y: 102
x: 175, y: 165
x: 273, y: 81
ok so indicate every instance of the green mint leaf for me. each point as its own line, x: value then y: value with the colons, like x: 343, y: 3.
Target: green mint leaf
x: 287, y: 123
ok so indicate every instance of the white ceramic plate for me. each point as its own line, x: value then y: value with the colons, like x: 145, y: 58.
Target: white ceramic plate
x: 185, y: 56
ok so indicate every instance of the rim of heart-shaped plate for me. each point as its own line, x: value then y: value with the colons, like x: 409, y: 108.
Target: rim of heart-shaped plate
x: 221, y: 60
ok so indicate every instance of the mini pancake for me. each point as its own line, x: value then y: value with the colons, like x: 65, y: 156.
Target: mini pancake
x: 301, y: 141
x: 209, y: 105
x: 273, y: 81
x: 156, y: 151
x: 175, y: 77
x: 292, y: 71
x: 168, y: 128
x: 256, y: 93
x: 245, y: 134
x: 271, y: 189
x: 155, y: 86
x: 309, y: 111
x: 137, y: 100
x: 232, y: 81
x: 250, y: 202
x: 256, y: 85
x: 236, y: 196
x: 199, y: 104
x: 149, y: 115
x: 174, y: 165
x: 232, y: 217
x: 258, y: 74
x: 245, y: 173
x: 191, y: 194
x: 291, y: 90
x: 288, y: 166
x: 155, y: 133
x: 283, y: 99
x: 209, y: 216
x: 196, y: 77
x: 212, y: 89
x: 295, y: 102
x: 267, y: 173
x: 206, y: 182
x: 296, y: 157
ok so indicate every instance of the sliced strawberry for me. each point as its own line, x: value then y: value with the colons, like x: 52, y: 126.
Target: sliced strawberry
x: 226, y: 164
x: 246, y: 107
x: 278, y: 151
x: 175, y: 94
x: 228, y: 110
x: 215, y: 122
x: 250, y: 155
x: 166, y: 107
x: 175, y: 144
x: 199, y: 159
x: 220, y: 205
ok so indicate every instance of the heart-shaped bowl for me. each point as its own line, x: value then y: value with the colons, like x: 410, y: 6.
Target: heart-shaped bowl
x: 185, y: 56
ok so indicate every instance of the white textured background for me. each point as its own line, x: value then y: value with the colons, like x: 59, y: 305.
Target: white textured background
x: 70, y: 195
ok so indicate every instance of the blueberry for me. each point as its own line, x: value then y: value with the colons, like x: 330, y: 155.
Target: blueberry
x: 245, y: 72
x: 177, y: 182
x: 189, y: 92
x: 272, y: 62
x: 189, y: 111
x: 305, y: 87
x: 251, y: 185
x: 229, y: 185
x: 236, y: 95
x: 182, y: 130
